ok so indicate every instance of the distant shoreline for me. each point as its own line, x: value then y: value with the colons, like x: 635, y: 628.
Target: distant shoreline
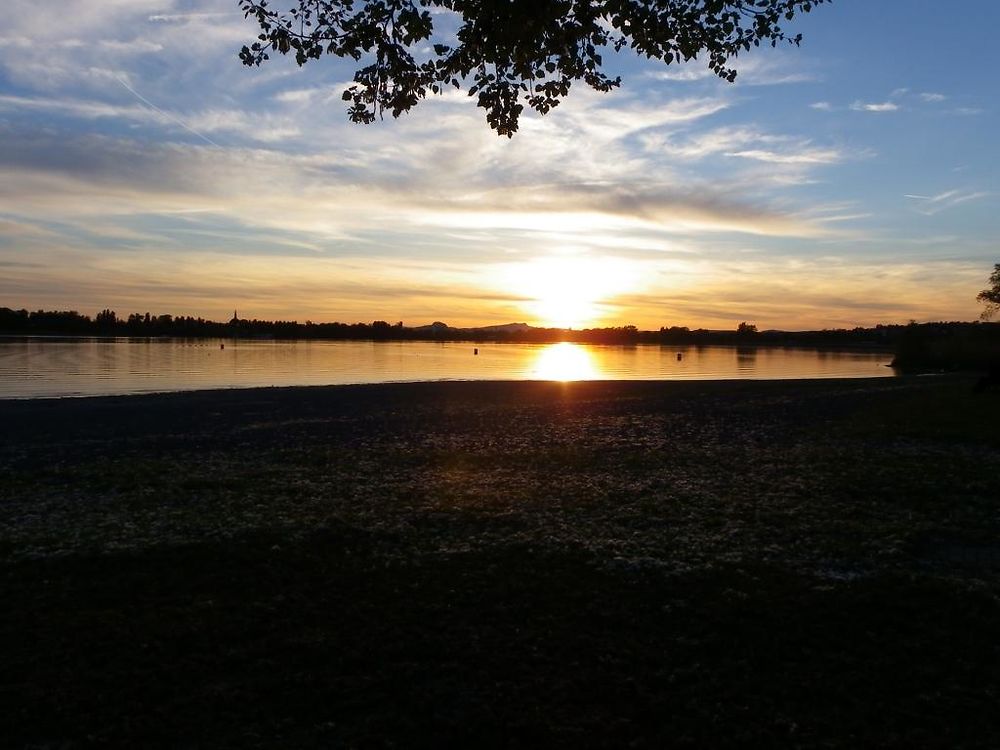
x: 610, y: 337
x: 107, y: 323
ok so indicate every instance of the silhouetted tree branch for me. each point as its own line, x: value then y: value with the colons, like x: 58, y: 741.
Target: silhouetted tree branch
x: 508, y: 52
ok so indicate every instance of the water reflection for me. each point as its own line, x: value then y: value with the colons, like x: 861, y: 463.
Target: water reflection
x: 746, y: 358
x: 33, y: 367
x: 564, y: 362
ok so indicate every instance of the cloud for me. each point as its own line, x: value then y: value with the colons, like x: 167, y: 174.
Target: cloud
x: 930, y: 205
x: 588, y: 208
x: 83, y: 109
x: 744, y: 142
x: 134, y: 46
x: 302, y: 96
x: 808, y: 156
x: 700, y: 145
x: 255, y: 126
x: 11, y: 229
x: 185, y: 18
x: 181, y: 199
x: 266, y: 128
x: 808, y: 293
x: 860, y: 106
x: 891, y: 104
x: 684, y: 73
x: 64, y: 43
x: 765, y: 68
x: 211, y: 284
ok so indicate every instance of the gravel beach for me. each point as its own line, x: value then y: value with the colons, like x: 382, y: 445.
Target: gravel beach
x: 594, y: 564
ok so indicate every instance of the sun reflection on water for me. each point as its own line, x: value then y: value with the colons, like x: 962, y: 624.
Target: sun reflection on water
x: 565, y: 362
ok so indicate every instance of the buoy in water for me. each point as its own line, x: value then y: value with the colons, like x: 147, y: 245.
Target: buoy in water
x: 222, y: 346
x: 680, y: 356
x: 475, y: 352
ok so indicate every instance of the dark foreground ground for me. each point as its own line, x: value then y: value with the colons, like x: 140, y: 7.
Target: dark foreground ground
x: 785, y: 564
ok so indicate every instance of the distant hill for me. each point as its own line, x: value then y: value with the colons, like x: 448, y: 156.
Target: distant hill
x: 505, y: 328
x: 438, y: 326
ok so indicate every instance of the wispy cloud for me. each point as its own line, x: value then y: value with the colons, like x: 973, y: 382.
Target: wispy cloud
x: 85, y: 109
x: 336, y: 198
x: 805, y: 156
x: 934, y: 204
x: 132, y: 46
x: 893, y: 103
x: 766, y: 68
x: 809, y: 293
x: 255, y: 126
x: 11, y: 229
x: 186, y: 17
x: 302, y: 96
x: 744, y: 143
x: 587, y: 208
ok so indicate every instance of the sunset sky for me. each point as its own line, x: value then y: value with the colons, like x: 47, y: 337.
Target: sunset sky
x: 849, y: 182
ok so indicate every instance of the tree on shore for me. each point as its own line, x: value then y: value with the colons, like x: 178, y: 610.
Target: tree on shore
x: 508, y: 53
x: 106, y: 317
x: 991, y: 295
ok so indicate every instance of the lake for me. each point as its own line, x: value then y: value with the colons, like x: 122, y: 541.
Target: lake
x: 36, y: 367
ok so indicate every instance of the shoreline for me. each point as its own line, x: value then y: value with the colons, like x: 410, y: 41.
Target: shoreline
x: 298, y: 393
x: 897, y: 374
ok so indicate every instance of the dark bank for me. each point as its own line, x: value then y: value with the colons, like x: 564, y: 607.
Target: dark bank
x: 796, y: 564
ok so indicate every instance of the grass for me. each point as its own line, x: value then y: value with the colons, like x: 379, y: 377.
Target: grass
x: 795, y: 564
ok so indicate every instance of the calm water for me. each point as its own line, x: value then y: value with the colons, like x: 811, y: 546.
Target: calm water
x: 40, y: 367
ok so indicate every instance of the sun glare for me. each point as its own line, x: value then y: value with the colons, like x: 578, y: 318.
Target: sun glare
x: 570, y: 291
x: 564, y: 362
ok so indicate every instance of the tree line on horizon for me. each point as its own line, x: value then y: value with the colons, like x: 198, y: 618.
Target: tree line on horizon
x: 147, y: 325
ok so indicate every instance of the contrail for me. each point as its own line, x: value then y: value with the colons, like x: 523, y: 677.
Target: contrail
x: 169, y: 116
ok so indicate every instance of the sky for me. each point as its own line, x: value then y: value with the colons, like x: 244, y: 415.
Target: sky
x: 850, y: 181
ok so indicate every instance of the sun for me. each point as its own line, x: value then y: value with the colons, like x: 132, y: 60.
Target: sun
x: 570, y: 291
x: 565, y: 362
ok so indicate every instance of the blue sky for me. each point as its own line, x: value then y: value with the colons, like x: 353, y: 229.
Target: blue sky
x: 847, y: 182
